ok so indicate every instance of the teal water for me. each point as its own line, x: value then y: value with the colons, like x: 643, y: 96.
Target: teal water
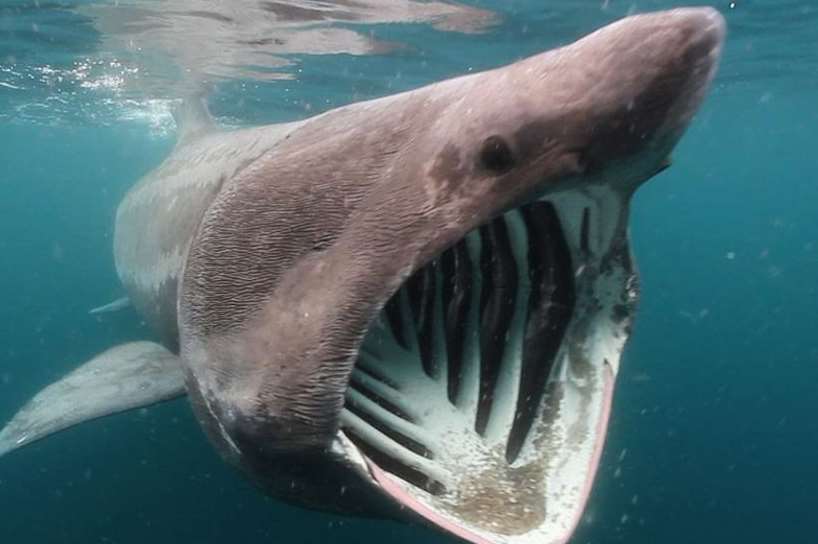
x: 714, y: 431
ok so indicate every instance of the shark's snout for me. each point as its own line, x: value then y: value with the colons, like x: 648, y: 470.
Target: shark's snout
x: 642, y: 81
x: 701, y: 37
x: 708, y: 27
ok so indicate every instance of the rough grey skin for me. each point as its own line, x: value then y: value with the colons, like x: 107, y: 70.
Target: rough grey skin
x: 267, y: 256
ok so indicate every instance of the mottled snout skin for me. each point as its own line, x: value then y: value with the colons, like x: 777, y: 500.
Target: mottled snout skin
x: 298, y: 253
x: 643, y: 84
x: 612, y: 104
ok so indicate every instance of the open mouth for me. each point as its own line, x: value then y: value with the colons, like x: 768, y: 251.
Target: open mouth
x: 479, y: 399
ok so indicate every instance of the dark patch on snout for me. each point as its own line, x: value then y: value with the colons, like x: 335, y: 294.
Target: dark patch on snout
x: 448, y: 167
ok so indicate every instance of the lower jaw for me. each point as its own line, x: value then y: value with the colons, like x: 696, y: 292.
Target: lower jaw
x: 480, y: 397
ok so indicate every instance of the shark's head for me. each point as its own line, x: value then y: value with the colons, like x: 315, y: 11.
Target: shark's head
x: 425, y: 297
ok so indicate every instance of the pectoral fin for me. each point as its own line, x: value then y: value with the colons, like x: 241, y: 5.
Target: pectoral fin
x: 122, y: 378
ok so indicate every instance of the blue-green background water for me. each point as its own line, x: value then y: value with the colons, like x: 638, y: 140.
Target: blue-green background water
x: 714, y: 433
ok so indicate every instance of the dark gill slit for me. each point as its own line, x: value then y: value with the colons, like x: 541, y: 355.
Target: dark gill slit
x: 422, y: 289
x: 584, y: 231
x: 550, y: 307
x: 499, y: 273
x: 393, y: 317
x: 457, y: 278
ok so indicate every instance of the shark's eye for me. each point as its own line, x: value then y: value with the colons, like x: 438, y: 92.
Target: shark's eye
x: 495, y: 155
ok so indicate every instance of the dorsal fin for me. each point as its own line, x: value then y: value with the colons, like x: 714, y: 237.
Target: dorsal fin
x: 192, y: 118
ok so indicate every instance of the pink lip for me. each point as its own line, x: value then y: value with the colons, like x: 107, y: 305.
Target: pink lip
x: 602, y: 427
x: 395, y: 491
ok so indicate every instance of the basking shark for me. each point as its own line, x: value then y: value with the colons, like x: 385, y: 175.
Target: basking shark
x: 412, y: 307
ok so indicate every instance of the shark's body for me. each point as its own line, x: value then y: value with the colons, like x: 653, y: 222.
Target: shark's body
x: 421, y: 298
